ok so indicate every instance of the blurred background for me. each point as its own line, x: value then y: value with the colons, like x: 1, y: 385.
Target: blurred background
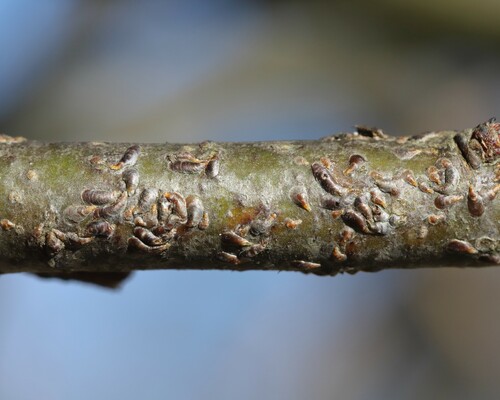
x: 180, y: 71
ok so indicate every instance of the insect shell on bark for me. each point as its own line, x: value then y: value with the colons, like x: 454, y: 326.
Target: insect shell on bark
x: 76, y: 214
x: 475, y: 203
x: 164, y: 209
x: 355, y: 221
x: 129, y: 158
x: 231, y: 239
x: 53, y: 244
x: 131, y: 179
x: 300, y: 198
x: 99, y: 197
x: 205, y: 221
x: 461, y: 246
x: 194, y: 208
x: 178, y: 204
x: 147, y: 237
x: 100, y: 229
x: 146, y: 199
x: 137, y: 244
x: 228, y: 257
x: 212, y: 168
x: 355, y: 161
x: 442, y: 201
x: 252, y: 251
x: 326, y: 181
x: 330, y: 202
x: 188, y: 166
x: 112, y: 210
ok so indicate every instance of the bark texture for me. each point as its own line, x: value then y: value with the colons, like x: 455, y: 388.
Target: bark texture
x: 359, y: 201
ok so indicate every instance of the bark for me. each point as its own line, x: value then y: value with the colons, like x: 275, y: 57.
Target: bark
x: 359, y: 201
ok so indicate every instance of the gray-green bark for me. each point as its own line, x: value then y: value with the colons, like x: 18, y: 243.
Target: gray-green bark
x: 354, y: 202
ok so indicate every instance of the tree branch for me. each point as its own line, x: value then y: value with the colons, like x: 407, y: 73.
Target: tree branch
x: 359, y: 201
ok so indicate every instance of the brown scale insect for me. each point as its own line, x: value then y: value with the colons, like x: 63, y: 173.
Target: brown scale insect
x: 178, y: 204
x: 487, y: 134
x: 337, y: 213
x: 330, y: 202
x: 188, y: 164
x: 228, y: 257
x: 408, y: 177
x: 475, y: 203
x: 354, y: 162
x: 151, y: 217
x: 53, y: 244
x: 137, y: 244
x: 385, y: 185
x: 161, y: 230
x: 32, y: 175
x: 379, y: 214
x: 326, y: 181
x: 164, y: 209
x: 327, y: 163
x: 425, y: 188
x: 355, y: 221
x: 165, y: 233
x: 147, y: 198
x: 139, y: 221
x: 147, y: 237
x: 76, y: 214
x: 300, y: 198
x: 460, y: 246
x: 100, y: 228
x: 99, y: 197
x: 252, y: 251
x: 362, y: 206
x: 262, y: 226
x: 442, y: 201
x: 194, y: 209
x: 292, y: 223
x: 371, y: 132
x: 242, y: 230
x: 71, y: 238
x: 451, y: 177
x: 337, y: 255
x: 129, y: 158
x: 492, y: 194
x: 7, y: 225
x: 377, y: 197
x: 213, y: 166
x: 388, y: 187
x: 231, y: 239
x: 434, y: 175
x: 128, y: 213
x: 205, y: 221
x: 131, y: 179
x: 434, y: 219
x: 345, y: 235
x: 114, y: 209
x: 467, y: 152
x: 305, y: 265
x: 379, y: 228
